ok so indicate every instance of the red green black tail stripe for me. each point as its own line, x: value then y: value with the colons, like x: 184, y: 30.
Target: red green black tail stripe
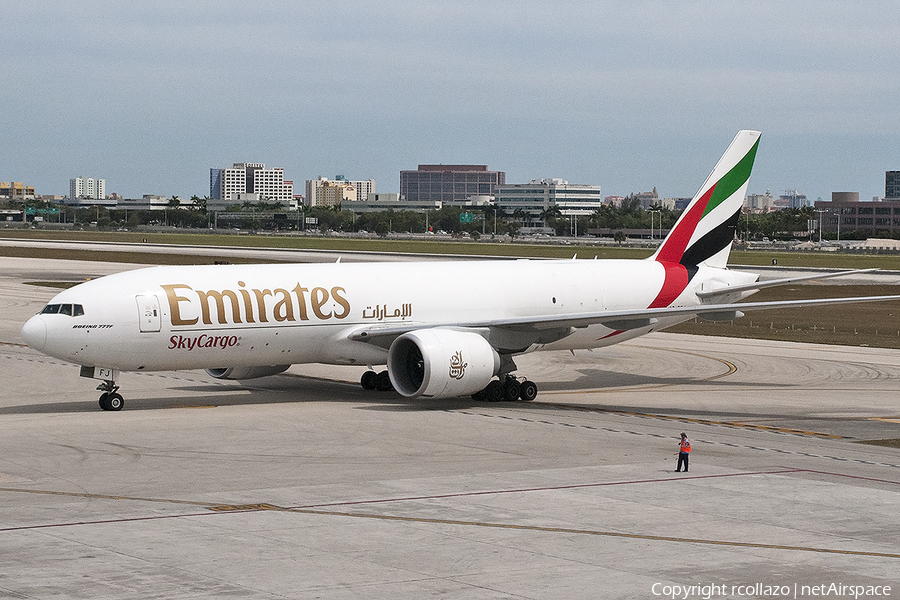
x: 675, y: 248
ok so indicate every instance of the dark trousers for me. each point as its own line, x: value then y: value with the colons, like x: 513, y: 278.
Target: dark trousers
x: 683, y: 460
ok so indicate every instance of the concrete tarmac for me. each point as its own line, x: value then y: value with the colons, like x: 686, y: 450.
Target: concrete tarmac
x: 303, y: 485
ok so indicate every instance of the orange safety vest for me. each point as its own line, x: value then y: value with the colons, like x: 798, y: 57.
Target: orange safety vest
x: 685, y: 446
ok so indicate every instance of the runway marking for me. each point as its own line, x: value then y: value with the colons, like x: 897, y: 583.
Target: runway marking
x: 219, y: 507
x: 103, y: 522
x: 731, y: 370
x: 700, y: 441
x: 318, y: 510
x: 573, y: 486
x: 244, y: 507
x: 106, y: 497
x: 582, y: 408
x: 616, y: 534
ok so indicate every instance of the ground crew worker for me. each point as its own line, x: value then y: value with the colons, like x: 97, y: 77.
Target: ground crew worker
x: 684, y: 452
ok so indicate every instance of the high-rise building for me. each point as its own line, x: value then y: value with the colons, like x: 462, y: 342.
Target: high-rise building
x: 87, y: 188
x: 892, y: 185
x: 449, y: 184
x: 759, y: 203
x: 792, y: 199
x: 227, y: 186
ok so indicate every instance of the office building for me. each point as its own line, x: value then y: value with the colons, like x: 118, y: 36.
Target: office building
x: 449, y: 184
x: 251, y: 182
x: 892, y: 185
x: 390, y: 201
x: 538, y: 196
x: 846, y: 216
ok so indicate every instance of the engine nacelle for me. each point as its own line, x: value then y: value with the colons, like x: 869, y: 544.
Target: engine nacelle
x: 441, y: 363
x: 246, y: 372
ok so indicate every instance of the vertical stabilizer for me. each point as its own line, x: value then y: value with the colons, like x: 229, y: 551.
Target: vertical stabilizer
x: 704, y: 232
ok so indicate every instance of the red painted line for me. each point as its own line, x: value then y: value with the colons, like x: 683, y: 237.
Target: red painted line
x: 860, y: 477
x: 103, y: 522
x: 540, y: 489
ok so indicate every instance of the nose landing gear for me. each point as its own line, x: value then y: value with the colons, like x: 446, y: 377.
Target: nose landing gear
x: 110, y: 399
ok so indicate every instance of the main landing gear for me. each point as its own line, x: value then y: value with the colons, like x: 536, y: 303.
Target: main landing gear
x: 110, y: 399
x: 381, y: 382
x: 508, y: 388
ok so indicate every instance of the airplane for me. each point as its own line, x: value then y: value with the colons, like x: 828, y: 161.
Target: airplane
x: 443, y: 329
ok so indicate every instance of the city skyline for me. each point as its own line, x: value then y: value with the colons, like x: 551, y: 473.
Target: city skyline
x: 624, y: 96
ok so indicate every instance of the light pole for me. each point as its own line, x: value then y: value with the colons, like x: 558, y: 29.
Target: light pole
x: 820, y: 211
x: 747, y: 240
x: 651, y: 223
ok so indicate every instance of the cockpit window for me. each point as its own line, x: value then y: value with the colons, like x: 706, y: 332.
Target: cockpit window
x: 72, y: 310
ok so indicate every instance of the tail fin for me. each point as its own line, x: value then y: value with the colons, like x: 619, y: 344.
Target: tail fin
x: 705, y: 230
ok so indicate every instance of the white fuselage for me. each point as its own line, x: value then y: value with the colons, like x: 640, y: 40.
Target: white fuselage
x: 167, y: 318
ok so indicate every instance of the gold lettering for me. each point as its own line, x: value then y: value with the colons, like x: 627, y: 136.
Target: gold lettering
x: 248, y: 306
x: 284, y: 308
x: 174, y: 299
x: 261, y: 301
x: 317, y: 298
x: 301, y: 301
x: 219, y: 297
x: 336, y: 295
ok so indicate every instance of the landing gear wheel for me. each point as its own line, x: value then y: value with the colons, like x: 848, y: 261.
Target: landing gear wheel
x: 369, y: 380
x: 528, y: 391
x: 113, y: 401
x: 109, y: 399
x: 493, y: 392
x: 383, y: 382
x: 511, y: 390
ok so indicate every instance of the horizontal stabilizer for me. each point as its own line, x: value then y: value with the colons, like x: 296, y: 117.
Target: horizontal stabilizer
x: 759, y: 285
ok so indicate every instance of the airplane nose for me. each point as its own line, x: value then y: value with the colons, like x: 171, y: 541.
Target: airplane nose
x: 34, y: 332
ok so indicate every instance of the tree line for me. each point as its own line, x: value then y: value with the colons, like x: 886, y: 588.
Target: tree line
x: 485, y: 220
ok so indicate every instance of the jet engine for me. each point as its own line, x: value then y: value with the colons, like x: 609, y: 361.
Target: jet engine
x: 441, y: 363
x: 246, y: 372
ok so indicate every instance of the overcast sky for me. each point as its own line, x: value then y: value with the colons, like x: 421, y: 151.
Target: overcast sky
x: 627, y: 95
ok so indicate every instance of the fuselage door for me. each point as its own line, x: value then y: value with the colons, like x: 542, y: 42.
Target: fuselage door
x: 149, y: 313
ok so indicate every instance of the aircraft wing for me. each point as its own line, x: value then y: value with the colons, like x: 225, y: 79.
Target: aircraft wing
x: 613, y: 319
